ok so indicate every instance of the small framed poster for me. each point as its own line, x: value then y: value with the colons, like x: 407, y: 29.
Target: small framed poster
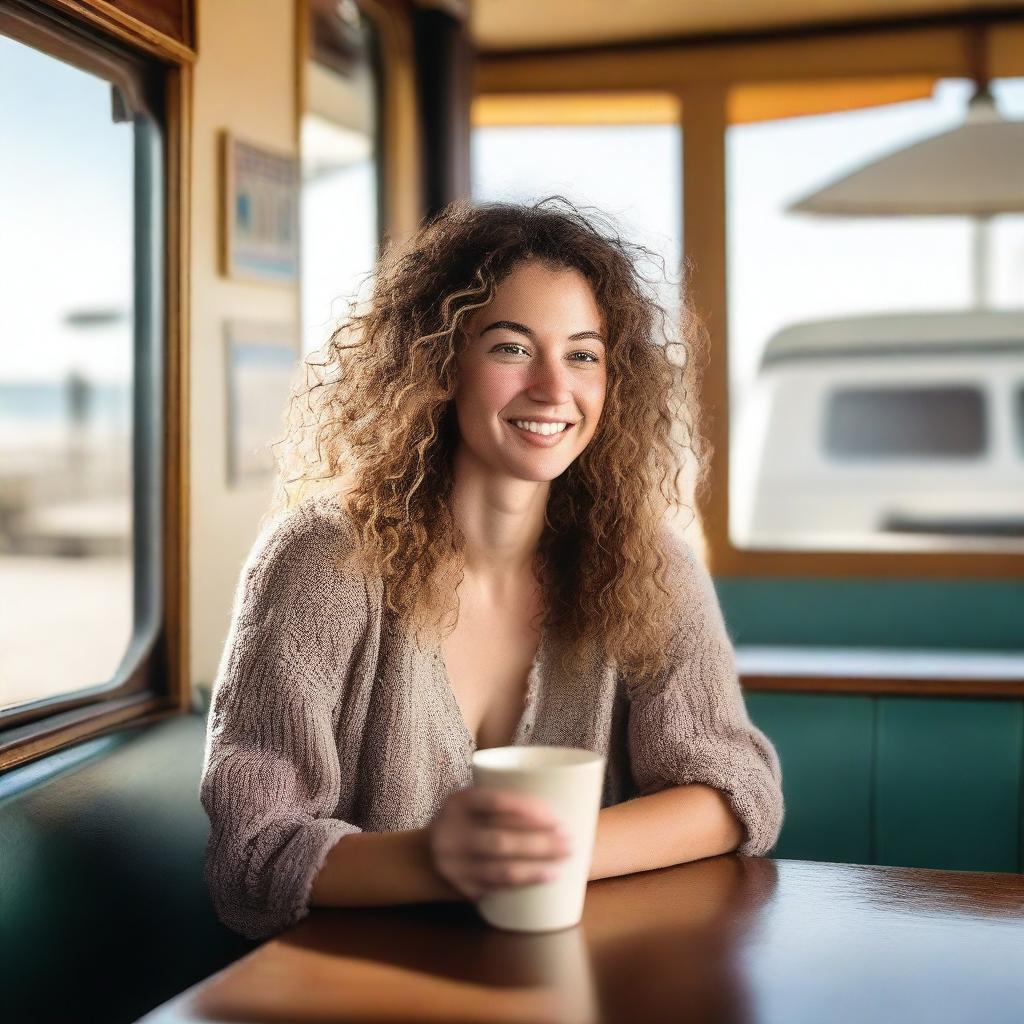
x: 262, y: 360
x: 260, y: 231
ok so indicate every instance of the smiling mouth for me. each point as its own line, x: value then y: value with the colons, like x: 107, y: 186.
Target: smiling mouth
x: 541, y: 440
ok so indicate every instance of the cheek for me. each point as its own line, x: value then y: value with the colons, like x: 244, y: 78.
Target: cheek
x: 493, y: 387
x: 596, y: 394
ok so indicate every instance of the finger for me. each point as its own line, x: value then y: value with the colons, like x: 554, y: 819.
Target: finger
x: 506, y: 801
x: 518, y: 823
x: 496, y: 843
x: 512, y: 873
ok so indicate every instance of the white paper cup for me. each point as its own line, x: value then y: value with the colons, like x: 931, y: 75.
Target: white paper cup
x: 569, y: 780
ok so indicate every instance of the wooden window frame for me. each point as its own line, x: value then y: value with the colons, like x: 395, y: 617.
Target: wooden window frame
x: 705, y: 75
x: 156, y: 684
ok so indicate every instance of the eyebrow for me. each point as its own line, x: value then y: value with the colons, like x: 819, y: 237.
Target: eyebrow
x: 511, y: 325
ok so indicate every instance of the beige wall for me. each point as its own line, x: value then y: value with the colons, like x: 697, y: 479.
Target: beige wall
x: 244, y: 82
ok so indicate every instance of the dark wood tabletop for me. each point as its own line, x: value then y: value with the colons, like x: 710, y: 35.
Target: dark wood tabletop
x: 725, y: 939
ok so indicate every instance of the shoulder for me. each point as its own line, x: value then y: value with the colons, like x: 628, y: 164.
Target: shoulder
x: 699, y: 612
x: 304, y: 550
x: 685, y: 572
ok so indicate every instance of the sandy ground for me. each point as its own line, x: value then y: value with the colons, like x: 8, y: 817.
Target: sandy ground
x: 64, y: 624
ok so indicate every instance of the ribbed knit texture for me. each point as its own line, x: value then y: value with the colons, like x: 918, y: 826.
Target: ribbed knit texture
x: 327, y: 719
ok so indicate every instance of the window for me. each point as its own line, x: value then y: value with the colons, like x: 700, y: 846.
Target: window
x: 81, y: 369
x: 869, y: 348
x: 1019, y: 420
x: 340, y: 153
x: 896, y: 423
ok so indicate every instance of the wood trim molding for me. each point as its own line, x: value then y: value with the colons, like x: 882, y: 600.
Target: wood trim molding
x: 939, y: 51
x: 892, y: 686
x: 301, y: 56
x: 176, y: 524
x: 575, y: 109
x: 19, y: 746
x: 130, y: 30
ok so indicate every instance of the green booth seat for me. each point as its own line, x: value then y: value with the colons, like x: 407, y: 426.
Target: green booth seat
x: 105, y: 911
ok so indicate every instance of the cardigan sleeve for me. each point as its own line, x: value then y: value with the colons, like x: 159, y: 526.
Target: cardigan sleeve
x: 690, y: 724
x: 271, y: 777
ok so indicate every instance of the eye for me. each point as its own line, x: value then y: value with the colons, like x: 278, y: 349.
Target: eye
x: 511, y: 344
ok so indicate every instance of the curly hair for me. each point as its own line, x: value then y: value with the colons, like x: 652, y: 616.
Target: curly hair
x: 373, y: 422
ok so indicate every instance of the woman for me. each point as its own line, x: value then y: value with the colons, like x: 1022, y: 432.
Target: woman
x: 482, y: 559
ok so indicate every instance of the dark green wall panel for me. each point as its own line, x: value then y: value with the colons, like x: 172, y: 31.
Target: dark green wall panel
x: 949, y: 783
x: 825, y: 746
x: 942, y: 614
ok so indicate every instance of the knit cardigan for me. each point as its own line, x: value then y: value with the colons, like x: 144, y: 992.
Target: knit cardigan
x: 328, y: 718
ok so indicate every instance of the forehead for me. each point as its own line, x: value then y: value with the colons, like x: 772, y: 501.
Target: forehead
x: 559, y: 295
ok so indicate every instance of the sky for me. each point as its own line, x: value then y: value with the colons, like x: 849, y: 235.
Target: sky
x: 65, y: 220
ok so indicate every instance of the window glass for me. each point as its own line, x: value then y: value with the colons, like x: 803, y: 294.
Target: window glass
x: 340, y: 165
x: 1019, y: 420
x: 886, y: 423
x: 871, y: 345
x: 67, y: 190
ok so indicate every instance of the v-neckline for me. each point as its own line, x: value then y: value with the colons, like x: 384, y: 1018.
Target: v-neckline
x: 522, y: 726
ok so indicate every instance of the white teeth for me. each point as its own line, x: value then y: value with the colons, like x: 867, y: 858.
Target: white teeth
x: 541, y: 428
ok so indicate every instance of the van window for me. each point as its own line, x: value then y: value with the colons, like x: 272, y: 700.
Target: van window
x: 905, y: 422
x: 1020, y: 419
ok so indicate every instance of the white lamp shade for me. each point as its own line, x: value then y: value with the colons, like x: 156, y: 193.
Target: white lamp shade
x: 976, y: 169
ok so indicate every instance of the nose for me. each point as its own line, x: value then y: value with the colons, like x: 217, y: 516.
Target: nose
x: 550, y: 380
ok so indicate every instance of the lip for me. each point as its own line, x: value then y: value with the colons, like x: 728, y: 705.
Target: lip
x: 539, y: 440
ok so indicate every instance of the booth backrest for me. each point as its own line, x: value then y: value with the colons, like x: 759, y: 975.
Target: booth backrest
x: 105, y: 912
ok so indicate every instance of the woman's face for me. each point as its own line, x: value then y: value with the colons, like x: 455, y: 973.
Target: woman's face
x: 535, y: 352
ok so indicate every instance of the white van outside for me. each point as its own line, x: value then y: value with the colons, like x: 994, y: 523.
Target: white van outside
x: 902, y: 431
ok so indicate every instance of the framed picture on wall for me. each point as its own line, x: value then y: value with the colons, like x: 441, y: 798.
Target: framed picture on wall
x: 262, y: 359
x: 260, y: 201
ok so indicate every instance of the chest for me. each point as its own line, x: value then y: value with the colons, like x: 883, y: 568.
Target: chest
x: 488, y: 659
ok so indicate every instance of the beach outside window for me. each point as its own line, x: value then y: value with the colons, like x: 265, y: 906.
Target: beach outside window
x: 876, y: 291
x: 66, y: 372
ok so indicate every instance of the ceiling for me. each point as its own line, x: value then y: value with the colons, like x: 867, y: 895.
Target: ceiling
x: 547, y: 24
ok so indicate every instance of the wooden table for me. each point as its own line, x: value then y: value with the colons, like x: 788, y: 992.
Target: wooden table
x: 725, y: 939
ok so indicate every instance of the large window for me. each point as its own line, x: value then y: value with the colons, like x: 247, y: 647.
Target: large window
x: 340, y: 164
x: 81, y: 365
x: 876, y: 324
